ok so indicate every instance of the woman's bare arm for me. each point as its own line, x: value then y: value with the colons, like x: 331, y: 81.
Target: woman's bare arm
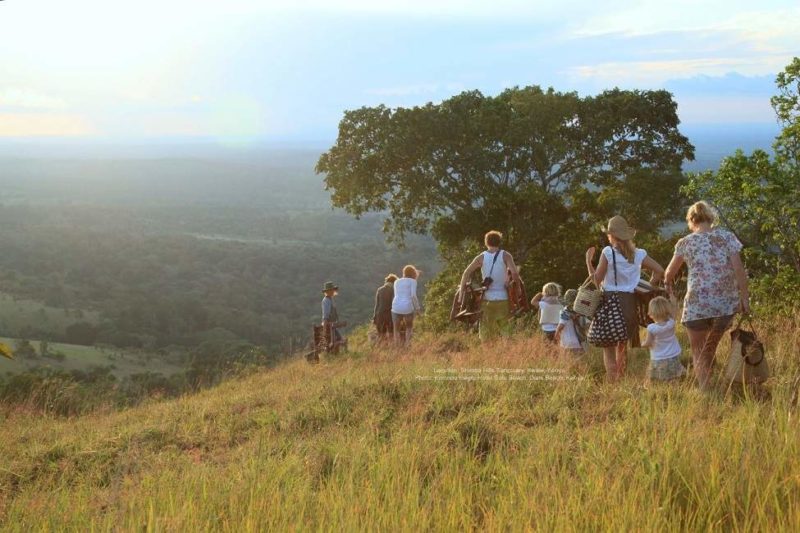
x: 672, y: 272
x: 597, y: 274
x: 509, y: 261
x: 475, y: 265
x: 741, y: 281
x: 652, y: 265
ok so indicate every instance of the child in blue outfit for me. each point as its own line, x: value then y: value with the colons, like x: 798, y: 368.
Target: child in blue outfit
x: 571, y: 330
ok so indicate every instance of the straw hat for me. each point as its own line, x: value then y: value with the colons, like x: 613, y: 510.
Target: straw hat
x: 619, y: 228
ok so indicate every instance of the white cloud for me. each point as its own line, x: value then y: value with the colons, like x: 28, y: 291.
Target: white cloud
x: 122, y: 65
x: 650, y: 73
x: 27, y: 99
x: 507, y: 9
x: 36, y: 124
x: 654, y: 16
x: 733, y: 37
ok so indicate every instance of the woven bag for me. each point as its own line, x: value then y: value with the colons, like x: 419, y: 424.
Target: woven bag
x: 588, y: 299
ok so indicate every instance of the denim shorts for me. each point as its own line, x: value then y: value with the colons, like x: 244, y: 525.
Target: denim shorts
x: 717, y: 323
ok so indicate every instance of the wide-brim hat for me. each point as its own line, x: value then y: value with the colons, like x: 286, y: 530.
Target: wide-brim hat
x: 619, y: 228
x: 330, y: 286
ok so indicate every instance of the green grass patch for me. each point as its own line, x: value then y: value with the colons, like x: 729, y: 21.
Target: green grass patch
x: 17, y: 314
x: 123, y: 362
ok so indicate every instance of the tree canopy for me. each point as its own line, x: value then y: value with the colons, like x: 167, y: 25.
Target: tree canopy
x: 539, y: 165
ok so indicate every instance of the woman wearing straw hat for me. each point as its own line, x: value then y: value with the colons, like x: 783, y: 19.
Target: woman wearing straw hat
x: 717, y: 286
x: 621, y: 277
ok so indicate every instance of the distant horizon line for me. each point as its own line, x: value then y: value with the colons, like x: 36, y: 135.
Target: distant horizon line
x: 245, y: 142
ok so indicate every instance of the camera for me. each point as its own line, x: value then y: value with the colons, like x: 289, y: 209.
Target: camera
x: 486, y: 282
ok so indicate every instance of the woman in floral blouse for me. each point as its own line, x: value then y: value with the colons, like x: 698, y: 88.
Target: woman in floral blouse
x: 717, y: 286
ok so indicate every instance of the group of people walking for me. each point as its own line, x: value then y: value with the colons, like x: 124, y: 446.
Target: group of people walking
x: 717, y: 289
x: 396, y: 305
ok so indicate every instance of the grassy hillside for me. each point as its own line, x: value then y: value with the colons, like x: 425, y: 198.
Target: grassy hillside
x: 446, y: 436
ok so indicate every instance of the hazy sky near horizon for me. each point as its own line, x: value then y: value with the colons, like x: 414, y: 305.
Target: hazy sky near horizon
x: 249, y: 69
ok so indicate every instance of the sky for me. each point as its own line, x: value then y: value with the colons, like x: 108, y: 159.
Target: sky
x: 238, y: 70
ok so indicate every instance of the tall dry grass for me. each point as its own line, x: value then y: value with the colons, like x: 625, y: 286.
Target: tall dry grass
x: 401, y: 440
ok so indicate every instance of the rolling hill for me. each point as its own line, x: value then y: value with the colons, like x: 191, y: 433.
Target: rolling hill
x: 446, y: 436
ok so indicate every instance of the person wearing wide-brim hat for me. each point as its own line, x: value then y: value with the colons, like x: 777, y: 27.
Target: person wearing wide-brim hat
x: 330, y: 288
x: 619, y: 271
x: 329, y: 313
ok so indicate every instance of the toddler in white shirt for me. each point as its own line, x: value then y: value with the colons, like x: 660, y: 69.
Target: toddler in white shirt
x: 665, y: 351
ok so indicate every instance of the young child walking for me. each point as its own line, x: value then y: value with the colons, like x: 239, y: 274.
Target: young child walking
x: 665, y: 364
x: 571, y: 330
x: 549, y: 307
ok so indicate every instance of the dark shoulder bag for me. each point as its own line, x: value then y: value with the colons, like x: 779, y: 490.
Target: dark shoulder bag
x: 608, y: 325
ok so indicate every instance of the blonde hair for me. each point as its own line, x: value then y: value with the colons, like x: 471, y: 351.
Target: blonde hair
x: 701, y: 212
x: 410, y: 271
x: 551, y: 289
x: 628, y: 249
x: 493, y: 238
x: 660, y: 309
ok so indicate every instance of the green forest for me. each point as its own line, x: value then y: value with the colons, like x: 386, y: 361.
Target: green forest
x: 195, y: 280
x: 168, y: 274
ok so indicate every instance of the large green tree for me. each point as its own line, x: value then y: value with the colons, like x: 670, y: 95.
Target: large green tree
x: 758, y: 196
x: 539, y: 165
